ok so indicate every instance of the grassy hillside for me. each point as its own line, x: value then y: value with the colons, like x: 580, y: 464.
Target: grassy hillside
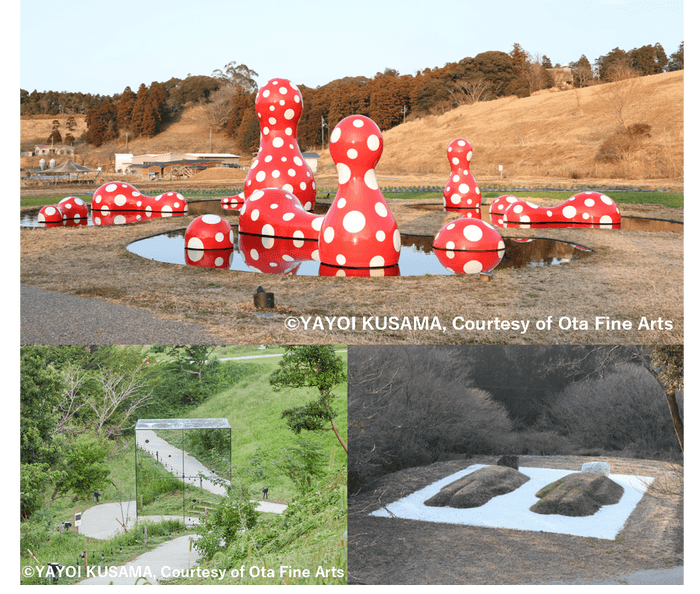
x: 552, y: 135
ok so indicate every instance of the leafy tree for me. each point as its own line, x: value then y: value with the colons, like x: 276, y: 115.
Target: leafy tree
x: 303, y: 463
x: 611, y: 62
x: 125, y: 108
x: 86, y: 470
x: 582, y: 71
x: 226, y: 522
x: 237, y: 75
x: 311, y: 367
x: 676, y: 61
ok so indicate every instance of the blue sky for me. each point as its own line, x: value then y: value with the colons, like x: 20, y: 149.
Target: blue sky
x: 98, y: 47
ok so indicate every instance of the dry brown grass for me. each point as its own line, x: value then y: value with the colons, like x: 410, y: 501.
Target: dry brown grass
x: 633, y: 274
x: 397, y: 551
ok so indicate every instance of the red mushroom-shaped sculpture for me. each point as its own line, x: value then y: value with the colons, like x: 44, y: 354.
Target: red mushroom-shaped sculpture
x: 209, y: 232
x: 461, y: 192
x: 50, y: 213
x: 74, y: 208
x: 469, y: 246
x: 279, y: 163
x: 276, y: 255
x: 358, y: 230
x: 274, y: 212
x: 499, y: 206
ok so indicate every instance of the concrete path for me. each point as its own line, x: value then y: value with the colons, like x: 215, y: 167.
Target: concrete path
x: 165, y: 561
x: 645, y: 577
x: 51, y: 317
x: 172, y: 459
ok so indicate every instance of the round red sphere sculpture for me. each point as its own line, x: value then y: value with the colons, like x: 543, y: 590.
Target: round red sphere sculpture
x: 74, y: 208
x: 469, y: 246
x: 219, y: 258
x: 358, y: 230
x: 50, y: 213
x: 274, y: 212
x: 209, y: 232
x: 591, y: 208
x: 279, y: 163
x: 461, y: 192
x: 118, y: 196
x: 170, y: 202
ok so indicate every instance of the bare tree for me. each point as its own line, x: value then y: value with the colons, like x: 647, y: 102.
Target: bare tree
x: 74, y: 378
x: 121, y: 394
x: 217, y: 111
x: 470, y: 91
x: 622, y: 93
x: 237, y: 75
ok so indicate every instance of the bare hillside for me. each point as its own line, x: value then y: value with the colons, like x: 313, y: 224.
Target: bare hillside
x: 550, y: 136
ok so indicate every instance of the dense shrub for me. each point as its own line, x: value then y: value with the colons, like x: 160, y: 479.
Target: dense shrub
x: 410, y: 405
x: 625, y: 411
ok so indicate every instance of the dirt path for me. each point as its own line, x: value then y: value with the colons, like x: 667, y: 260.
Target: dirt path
x: 634, y: 276
x: 397, y: 551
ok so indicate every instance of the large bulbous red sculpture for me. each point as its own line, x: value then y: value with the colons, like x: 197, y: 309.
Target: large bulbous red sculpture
x: 122, y: 196
x: 279, y: 163
x: 209, y: 232
x: 499, y: 206
x: 469, y: 246
x: 274, y: 212
x: 585, y: 209
x: 358, y: 230
x: 461, y: 192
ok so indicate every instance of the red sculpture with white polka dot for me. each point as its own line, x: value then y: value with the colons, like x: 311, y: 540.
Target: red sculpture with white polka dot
x: 358, y: 230
x: 279, y: 163
x: 499, y: 206
x: 585, y: 209
x: 461, y: 192
x: 278, y: 213
x: 209, y: 232
x: 469, y: 246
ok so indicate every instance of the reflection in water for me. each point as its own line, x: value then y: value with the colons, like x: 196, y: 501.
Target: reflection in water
x: 272, y: 255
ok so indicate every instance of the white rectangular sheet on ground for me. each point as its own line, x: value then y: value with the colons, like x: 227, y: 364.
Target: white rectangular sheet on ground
x: 512, y: 510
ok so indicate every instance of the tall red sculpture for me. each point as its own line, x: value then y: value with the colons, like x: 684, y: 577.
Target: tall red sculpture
x: 358, y: 230
x: 461, y: 192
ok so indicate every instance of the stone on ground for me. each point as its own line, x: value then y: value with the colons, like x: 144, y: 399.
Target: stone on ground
x: 578, y: 494
x: 478, y: 487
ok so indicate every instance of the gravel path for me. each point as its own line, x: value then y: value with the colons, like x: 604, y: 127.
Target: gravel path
x: 44, y: 315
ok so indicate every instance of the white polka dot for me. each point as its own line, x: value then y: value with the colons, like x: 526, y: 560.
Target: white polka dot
x: 371, y: 180
x: 268, y: 242
x: 302, y: 185
x: 289, y: 114
x: 358, y: 123
x: 111, y: 187
x: 354, y: 221
x: 605, y: 220
x: 219, y: 237
x: 298, y: 161
x: 268, y: 229
x: 589, y: 202
x: 380, y: 209
x: 316, y: 223
x: 455, y: 178
x: 373, y: 142
x: 291, y: 172
x: 342, y: 202
x: 288, y: 132
x: 569, y: 211
x: 283, y: 90
x: 335, y: 136
x: 287, y: 258
x: 397, y: 240
x: 195, y: 243
x: 455, y: 198
x: 277, y: 142
x: 328, y: 234
x: 352, y: 153
x: 343, y: 173
x: 472, y: 267
x: 607, y: 200
x: 120, y: 200
x: 450, y: 245
x: 276, y: 173
x: 455, y: 160
x: 464, y: 188
x: 254, y: 215
x: 340, y: 259
x: 380, y: 235
x: 288, y: 187
x: 260, y: 176
x: 287, y: 216
x: 469, y: 156
x: 377, y: 261
x: 254, y: 254
x: 473, y: 233
x: 211, y: 219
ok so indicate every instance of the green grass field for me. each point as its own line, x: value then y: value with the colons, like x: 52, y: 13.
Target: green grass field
x: 671, y: 199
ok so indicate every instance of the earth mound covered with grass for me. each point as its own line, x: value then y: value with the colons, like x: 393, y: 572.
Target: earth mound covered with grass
x: 478, y: 487
x: 578, y: 494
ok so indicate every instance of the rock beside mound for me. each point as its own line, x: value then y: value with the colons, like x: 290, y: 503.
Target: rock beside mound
x: 578, y: 494
x: 478, y: 487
